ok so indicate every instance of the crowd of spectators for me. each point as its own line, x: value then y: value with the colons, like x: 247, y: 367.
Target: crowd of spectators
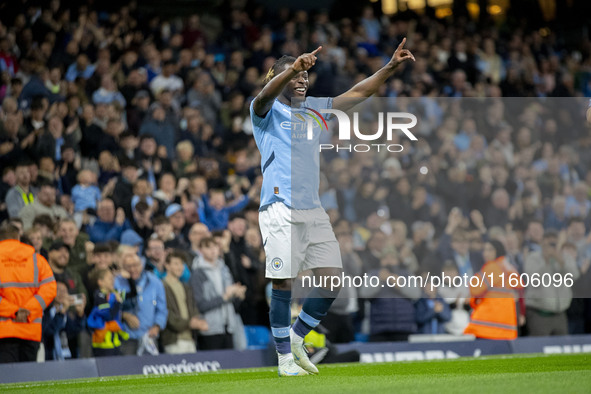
x: 126, y: 145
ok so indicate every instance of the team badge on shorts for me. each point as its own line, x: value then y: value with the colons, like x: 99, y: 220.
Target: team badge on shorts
x: 277, y: 263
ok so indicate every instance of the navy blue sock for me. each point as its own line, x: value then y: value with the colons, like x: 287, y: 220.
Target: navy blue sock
x: 280, y: 317
x: 314, y: 309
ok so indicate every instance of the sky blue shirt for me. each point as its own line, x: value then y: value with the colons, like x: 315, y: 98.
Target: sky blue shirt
x: 290, y: 162
x: 149, y: 306
x: 85, y: 197
x: 72, y: 73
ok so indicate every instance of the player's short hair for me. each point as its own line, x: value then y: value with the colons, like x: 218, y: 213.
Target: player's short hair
x: 278, y: 65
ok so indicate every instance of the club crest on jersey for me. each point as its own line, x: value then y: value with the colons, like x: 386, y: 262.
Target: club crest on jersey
x: 277, y: 263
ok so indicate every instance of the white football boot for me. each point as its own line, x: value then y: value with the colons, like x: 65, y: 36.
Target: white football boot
x: 288, y: 367
x: 300, y: 354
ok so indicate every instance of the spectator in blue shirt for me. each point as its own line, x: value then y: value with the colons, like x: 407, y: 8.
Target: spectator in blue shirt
x: 464, y: 138
x: 144, y: 315
x: 215, y: 211
x: 81, y: 68
x: 108, y: 92
x: 86, y: 195
x: 109, y: 225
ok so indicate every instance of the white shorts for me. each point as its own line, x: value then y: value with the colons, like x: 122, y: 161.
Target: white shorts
x: 297, y: 240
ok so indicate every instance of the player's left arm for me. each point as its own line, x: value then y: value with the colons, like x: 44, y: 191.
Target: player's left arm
x: 370, y: 85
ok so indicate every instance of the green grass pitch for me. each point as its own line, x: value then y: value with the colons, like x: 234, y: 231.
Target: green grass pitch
x: 499, y: 374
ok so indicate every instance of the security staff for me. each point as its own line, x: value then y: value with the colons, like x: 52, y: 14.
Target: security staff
x: 22, y: 194
x: 27, y: 286
x: 494, y: 306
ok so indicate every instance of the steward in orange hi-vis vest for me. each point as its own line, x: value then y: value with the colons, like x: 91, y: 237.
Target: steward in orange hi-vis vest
x: 495, y: 312
x: 27, y: 286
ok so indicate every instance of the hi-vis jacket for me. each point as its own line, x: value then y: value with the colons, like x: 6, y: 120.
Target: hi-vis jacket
x: 495, y: 312
x: 26, y: 281
x: 105, y: 320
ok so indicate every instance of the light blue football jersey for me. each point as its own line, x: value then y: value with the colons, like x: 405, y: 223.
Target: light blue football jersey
x: 290, y: 160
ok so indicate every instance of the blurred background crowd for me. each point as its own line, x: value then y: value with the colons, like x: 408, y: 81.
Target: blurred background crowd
x: 126, y: 144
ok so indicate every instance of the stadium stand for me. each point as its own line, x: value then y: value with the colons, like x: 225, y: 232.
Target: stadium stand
x: 135, y: 126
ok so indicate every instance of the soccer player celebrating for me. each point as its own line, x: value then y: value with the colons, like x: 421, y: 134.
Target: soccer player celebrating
x: 297, y: 234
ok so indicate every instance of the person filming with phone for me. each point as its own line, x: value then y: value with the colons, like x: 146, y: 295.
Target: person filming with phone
x: 63, y: 319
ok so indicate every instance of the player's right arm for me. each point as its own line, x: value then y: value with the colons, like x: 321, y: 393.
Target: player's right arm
x: 264, y: 100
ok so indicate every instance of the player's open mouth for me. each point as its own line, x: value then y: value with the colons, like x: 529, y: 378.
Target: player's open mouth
x: 301, y: 90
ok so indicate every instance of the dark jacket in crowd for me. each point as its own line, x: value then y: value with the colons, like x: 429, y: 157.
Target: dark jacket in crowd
x: 429, y: 321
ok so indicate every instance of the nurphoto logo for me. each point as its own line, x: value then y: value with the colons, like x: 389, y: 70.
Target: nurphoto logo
x: 387, y: 123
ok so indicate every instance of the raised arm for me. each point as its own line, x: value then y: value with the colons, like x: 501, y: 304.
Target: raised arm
x: 264, y: 100
x: 370, y: 85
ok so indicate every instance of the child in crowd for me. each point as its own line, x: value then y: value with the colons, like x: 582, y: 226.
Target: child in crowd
x: 101, y: 257
x: 86, y: 194
x: 164, y: 231
x: 215, y: 211
x: 432, y: 311
x: 105, y: 317
x: 85, y: 197
x: 183, y: 316
x: 35, y: 237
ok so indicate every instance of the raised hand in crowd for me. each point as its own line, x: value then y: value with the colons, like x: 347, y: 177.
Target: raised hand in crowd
x: 120, y: 216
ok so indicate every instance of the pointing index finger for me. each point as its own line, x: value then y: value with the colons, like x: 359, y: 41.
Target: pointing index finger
x: 317, y: 50
x: 402, y: 43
